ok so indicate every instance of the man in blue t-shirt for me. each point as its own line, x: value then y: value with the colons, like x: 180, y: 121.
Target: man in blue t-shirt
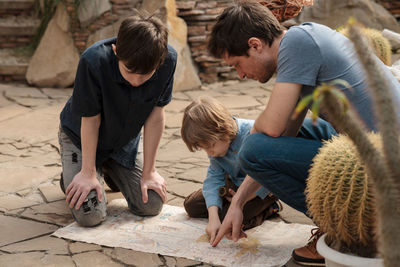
x: 121, y: 85
x: 250, y: 39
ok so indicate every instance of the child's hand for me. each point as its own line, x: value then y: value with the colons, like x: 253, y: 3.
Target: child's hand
x: 230, y: 195
x: 212, y: 229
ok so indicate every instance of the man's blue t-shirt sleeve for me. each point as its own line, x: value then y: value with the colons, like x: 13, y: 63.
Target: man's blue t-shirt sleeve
x: 299, y: 58
x: 86, y: 96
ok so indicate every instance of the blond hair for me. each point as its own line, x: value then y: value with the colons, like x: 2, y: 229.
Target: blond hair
x: 205, y: 121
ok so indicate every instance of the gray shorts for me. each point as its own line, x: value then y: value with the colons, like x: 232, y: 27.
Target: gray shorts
x: 93, y: 212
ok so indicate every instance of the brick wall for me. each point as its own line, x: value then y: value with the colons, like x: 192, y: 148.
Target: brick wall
x: 200, y: 17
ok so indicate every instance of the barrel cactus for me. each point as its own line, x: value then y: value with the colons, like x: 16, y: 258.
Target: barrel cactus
x: 380, y: 44
x: 340, y: 198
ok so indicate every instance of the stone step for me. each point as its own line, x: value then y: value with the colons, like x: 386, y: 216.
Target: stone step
x: 13, y: 62
x: 18, y: 26
x: 17, y: 4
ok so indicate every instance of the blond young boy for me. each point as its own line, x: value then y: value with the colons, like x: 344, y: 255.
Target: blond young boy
x: 207, y: 125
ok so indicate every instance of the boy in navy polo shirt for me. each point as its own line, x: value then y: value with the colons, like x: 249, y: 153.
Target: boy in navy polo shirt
x: 121, y: 85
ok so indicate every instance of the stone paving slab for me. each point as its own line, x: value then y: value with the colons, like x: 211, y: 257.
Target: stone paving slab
x: 12, y: 201
x: 182, y: 188
x: 195, y: 174
x: 94, y: 258
x: 79, y: 247
x: 174, y: 120
x: 33, y: 127
x: 15, y: 229
x: 51, y: 245
x: 55, y: 213
x: 176, y: 106
x: 176, y: 150
x: 11, y: 111
x: 16, y: 179
x: 52, y: 193
x: 137, y: 258
x: 238, y: 101
x: 35, y: 259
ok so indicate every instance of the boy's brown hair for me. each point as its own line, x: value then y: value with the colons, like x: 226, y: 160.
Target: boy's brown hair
x: 205, y: 121
x: 237, y: 24
x: 142, y: 43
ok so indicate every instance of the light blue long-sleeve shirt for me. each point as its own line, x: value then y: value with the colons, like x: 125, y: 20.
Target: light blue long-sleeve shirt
x: 229, y: 163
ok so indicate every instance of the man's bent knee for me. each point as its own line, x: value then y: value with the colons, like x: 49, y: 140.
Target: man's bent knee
x: 250, y: 146
x: 91, y: 213
x: 152, y: 207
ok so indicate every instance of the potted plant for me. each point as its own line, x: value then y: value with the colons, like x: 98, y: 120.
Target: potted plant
x: 341, y: 201
x: 382, y: 166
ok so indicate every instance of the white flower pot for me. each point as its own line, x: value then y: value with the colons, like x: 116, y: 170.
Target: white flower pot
x: 334, y: 258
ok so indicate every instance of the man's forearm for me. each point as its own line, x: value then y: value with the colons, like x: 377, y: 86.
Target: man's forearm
x: 89, y: 137
x: 153, y: 130
x: 293, y: 126
x: 246, y: 191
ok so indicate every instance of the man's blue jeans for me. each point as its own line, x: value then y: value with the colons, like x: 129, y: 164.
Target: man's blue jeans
x: 281, y: 164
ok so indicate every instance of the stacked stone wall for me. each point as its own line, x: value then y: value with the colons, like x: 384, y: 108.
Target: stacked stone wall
x: 13, y: 38
x: 14, y: 12
x: 81, y: 34
x: 15, y: 41
x: 200, y: 17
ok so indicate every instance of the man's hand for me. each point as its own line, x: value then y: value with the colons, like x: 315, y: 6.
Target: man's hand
x: 80, y: 187
x: 231, y: 227
x: 155, y: 182
x: 212, y: 228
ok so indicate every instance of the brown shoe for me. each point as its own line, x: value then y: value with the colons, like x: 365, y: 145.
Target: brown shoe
x: 308, y: 255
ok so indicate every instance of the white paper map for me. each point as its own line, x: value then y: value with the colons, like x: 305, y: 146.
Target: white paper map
x: 173, y: 233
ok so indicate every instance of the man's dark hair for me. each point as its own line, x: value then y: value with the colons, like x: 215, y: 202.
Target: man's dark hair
x: 142, y: 43
x: 237, y: 24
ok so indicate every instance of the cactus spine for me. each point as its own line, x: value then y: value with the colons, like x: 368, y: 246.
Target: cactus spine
x: 380, y: 45
x: 342, y: 202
